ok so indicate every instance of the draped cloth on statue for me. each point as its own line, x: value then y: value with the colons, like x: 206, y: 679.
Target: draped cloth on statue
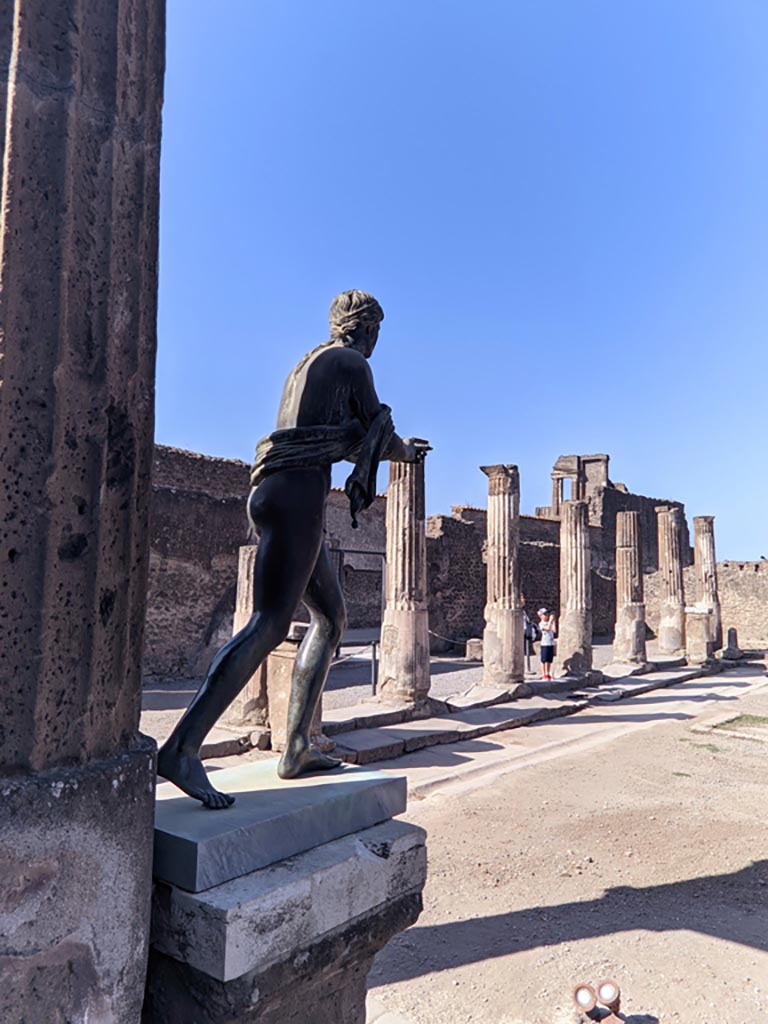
x: 321, y: 446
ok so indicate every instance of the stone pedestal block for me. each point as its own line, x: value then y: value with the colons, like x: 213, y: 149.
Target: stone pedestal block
x: 474, y: 649
x: 290, y: 943
x: 272, y: 818
x: 75, y: 865
x: 278, y: 674
x: 732, y: 650
x: 699, y: 645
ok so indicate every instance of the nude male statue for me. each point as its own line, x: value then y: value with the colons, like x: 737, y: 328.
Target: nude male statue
x: 329, y: 411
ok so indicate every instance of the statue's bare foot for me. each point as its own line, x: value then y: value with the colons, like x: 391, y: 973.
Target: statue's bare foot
x: 298, y: 759
x: 186, y: 771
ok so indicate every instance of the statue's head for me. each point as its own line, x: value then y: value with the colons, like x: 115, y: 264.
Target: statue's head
x: 355, y: 317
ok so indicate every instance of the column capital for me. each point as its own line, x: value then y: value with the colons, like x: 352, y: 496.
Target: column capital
x: 703, y: 520
x: 501, y: 471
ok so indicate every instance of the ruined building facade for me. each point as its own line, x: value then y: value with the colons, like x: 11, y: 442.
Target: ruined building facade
x: 198, y: 524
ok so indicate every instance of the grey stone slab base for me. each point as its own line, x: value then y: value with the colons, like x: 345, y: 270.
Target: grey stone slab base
x: 271, y: 819
x: 76, y: 856
x: 288, y: 944
x: 253, y: 921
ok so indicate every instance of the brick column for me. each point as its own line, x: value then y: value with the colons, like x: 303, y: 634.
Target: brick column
x: 404, y: 670
x: 706, y: 573
x: 574, y: 645
x: 81, y: 86
x: 629, y: 638
x: 671, y: 634
x: 503, y: 657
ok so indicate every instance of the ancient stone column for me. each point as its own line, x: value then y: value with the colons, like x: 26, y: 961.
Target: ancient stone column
x: 404, y: 671
x: 81, y: 85
x: 706, y: 573
x: 250, y: 707
x: 629, y: 638
x: 503, y: 656
x: 574, y: 645
x: 671, y: 632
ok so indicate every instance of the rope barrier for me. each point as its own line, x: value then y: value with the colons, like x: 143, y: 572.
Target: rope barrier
x: 357, y: 654
x: 448, y: 640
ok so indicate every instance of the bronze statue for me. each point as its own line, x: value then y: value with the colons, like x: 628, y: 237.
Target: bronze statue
x: 329, y: 412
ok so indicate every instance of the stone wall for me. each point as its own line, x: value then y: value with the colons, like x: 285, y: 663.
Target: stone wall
x: 197, y: 525
x: 743, y: 589
x: 198, y: 522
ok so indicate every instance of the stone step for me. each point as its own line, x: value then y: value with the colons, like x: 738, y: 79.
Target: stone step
x: 363, y: 746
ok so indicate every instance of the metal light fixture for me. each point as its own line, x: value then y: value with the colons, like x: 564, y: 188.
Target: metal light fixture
x: 609, y: 994
x: 585, y: 998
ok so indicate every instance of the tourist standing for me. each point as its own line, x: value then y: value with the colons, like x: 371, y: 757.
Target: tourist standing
x: 530, y: 636
x: 548, y: 628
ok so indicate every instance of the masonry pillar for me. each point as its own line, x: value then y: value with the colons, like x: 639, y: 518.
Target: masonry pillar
x: 671, y: 633
x: 81, y: 90
x: 503, y: 657
x: 250, y: 707
x: 404, y: 669
x: 706, y: 573
x: 629, y: 638
x: 557, y: 494
x: 574, y: 645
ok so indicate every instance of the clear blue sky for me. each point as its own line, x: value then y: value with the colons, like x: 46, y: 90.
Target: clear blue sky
x: 562, y: 207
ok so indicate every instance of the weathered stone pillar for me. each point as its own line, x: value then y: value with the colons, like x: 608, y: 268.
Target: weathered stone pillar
x: 80, y: 135
x: 671, y: 633
x: 503, y: 662
x: 250, y: 707
x: 629, y: 638
x: 574, y: 646
x: 557, y: 494
x: 706, y: 573
x: 404, y: 671
x: 699, y: 646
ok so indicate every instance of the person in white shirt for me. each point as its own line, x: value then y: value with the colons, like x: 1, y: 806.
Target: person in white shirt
x: 548, y: 629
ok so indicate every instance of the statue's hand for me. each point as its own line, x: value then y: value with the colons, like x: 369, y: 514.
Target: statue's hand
x: 416, y: 449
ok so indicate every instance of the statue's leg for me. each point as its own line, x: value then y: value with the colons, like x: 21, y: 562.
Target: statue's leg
x: 328, y: 618
x: 289, y: 515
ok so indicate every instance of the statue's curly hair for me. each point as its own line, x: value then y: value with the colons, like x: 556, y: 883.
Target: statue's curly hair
x: 352, y: 310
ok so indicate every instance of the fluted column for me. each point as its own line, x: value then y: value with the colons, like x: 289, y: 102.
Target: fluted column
x: 574, y: 646
x: 503, y: 656
x: 82, y: 88
x: 706, y: 573
x: 404, y: 670
x: 671, y: 632
x: 629, y: 638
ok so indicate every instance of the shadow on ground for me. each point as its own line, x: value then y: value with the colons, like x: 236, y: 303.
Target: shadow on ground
x: 724, y: 906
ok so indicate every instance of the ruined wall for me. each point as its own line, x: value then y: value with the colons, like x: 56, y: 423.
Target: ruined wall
x: 456, y: 577
x: 457, y: 573
x: 743, y: 589
x: 197, y: 524
x: 609, y: 501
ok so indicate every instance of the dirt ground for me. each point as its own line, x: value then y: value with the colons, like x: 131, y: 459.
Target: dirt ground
x: 642, y: 857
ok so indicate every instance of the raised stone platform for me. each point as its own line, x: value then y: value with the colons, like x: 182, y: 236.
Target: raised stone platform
x: 196, y: 849
x: 262, y: 917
